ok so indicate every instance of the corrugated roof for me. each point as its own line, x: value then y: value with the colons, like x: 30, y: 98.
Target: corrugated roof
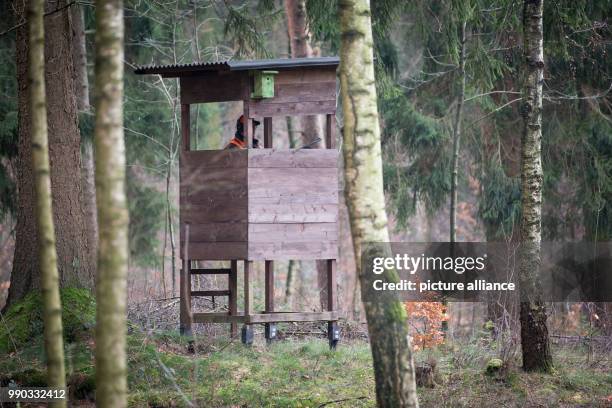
x: 280, y: 63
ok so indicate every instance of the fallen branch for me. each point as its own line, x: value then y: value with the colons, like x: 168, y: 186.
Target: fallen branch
x: 342, y: 400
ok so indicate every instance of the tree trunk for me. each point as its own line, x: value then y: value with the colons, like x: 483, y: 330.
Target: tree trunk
x: 111, y: 366
x: 81, y: 86
x: 457, y: 137
x: 292, y: 268
x: 385, y: 314
x: 79, y: 57
x: 455, y: 159
x: 169, y: 221
x: 299, y: 40
x: 75, y: 258
x: 52, y: 309
x: 534, y: 332
x: 89, y: 194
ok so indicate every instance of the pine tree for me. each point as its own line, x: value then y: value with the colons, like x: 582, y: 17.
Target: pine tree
x: 75, y: 258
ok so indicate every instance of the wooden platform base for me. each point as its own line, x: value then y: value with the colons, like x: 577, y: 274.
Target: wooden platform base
x: 275, y: 317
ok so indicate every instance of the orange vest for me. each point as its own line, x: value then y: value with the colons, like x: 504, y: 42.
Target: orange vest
x: 236, y: 143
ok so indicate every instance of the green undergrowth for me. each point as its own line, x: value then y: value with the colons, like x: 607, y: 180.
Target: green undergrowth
x: 23, y: 321
x: 466, y: 379
x: 166, y: 370
x: 284, y: 374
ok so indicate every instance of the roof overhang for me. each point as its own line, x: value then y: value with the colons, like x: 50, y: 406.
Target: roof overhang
x: 179, y: 70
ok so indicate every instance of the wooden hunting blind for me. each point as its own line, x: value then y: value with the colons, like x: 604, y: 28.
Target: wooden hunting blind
x: 257, y: 204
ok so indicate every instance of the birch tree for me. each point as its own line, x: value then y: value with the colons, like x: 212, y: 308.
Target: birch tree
x: 52, y: 308
x: 385, y: 314
x: 111, y: 366
x: 534, y: 332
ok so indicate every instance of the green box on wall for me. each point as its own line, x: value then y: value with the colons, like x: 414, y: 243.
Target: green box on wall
x: 263, y: 84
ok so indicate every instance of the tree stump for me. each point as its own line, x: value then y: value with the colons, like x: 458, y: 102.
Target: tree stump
x: 425, y: 375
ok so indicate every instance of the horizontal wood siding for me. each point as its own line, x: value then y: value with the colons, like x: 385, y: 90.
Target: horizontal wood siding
x: 283, y: 182
x: 299, y: 92
x: 222, y: 251
x: 215, y: 87
x: 231, y: 158
x: 303, y: 232
x: 291, y: 86
x: 262, y: 204
x: 217, y: 232
x: 302, y: 92
x: 293, y: 204
x: 279, y: 250
x: 223, y: 212
x: 306, y: 75
x: 272, y: 108
x: 213, y: 200
x: 293, y: 213
x: 306, y: 158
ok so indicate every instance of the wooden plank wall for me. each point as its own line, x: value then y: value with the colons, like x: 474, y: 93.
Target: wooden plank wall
x: 215, y: 87
x: 262, y: 204
x: 213, y: 200
x: 299, y: 91
x: 292, y: 204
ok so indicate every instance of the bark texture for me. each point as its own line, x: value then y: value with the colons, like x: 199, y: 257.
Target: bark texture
x: 385, y: 314
x: 534, y: 332
x: 79, y: 52
x: 52, y: 310
x: 75, y: 258
x: 299, y: 39
x: 111, y: 293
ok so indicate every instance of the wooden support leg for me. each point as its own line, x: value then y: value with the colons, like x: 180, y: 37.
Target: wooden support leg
x: 269, y: 290
x: 331, y: 285
x: 333, y: 331
x: 186, y: 317
x: 248, y: 269
x: 333, y: 334
x: 270, y: 328
x: 247, y: 329
x: 233, y: 296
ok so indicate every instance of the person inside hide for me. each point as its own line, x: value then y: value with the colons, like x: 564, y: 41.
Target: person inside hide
x: 238, y: 141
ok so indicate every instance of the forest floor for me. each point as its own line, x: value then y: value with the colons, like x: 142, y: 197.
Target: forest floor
x: 166, y: 370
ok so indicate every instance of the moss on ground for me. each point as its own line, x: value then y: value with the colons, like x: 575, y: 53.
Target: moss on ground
x: 22, y: 322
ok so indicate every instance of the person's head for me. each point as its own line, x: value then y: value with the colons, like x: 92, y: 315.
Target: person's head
x: 240, y: 127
